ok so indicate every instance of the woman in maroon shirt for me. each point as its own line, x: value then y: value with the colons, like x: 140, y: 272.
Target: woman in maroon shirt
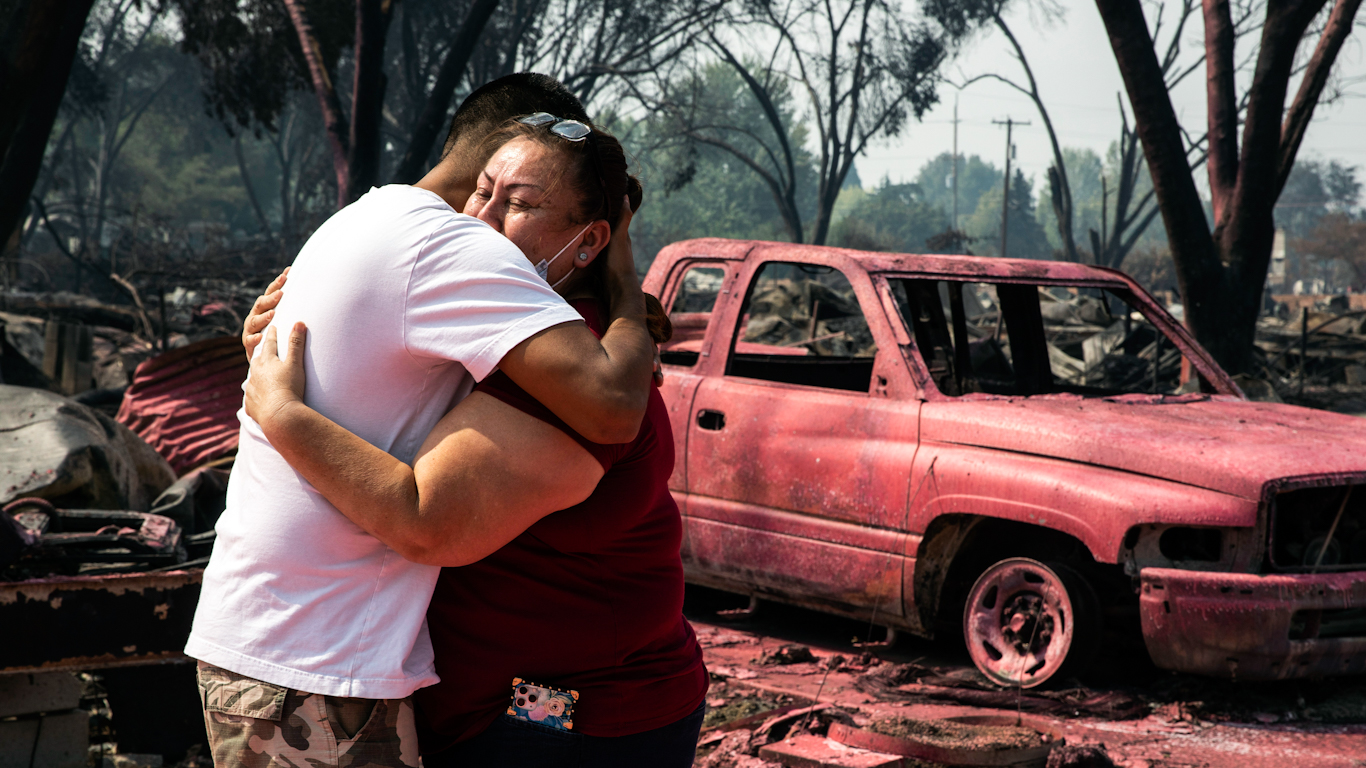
x: 560, y: 639
x: 588, y: 599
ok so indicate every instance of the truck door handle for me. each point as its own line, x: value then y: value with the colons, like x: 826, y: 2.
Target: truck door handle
x: 711, y: 420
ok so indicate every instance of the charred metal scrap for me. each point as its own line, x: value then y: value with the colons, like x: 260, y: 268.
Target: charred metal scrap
x: 34, y: 534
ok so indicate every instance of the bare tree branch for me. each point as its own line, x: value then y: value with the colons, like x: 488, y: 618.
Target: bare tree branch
x: 1311, y: 86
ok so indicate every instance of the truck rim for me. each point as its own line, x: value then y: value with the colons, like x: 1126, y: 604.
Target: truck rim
x: 1018, y: 622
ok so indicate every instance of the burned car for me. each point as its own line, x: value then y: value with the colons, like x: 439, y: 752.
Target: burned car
x: 1031, y: 453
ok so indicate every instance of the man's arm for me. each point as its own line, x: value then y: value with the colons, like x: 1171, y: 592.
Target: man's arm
x: 599, y: 388
x: 485, y: 474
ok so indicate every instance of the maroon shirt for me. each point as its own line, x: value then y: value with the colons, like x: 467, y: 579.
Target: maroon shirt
x: 589, y: 598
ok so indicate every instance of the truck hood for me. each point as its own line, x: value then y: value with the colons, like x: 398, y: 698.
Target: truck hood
x: 1220, y: 442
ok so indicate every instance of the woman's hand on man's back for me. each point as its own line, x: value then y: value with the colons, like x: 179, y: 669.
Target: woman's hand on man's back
x: 262, y: 312
x: 275, y: 382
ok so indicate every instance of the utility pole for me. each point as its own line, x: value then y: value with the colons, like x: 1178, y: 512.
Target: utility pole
x: 1009, y: 123
x: 955, y: 166
x: 1104, y: 224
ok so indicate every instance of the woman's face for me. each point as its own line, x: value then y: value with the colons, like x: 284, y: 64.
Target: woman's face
x: 517, y: 195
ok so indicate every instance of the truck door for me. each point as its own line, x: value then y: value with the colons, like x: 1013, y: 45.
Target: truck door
x: 691, y: 292
x: 798, y: 458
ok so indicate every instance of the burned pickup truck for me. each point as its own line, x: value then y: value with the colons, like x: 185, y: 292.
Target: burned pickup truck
x: 1022, y: 451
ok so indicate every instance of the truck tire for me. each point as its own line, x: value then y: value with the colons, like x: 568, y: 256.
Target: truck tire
x: 1027, y: 622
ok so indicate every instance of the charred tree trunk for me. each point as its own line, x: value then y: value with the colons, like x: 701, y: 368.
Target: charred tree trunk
x: 334, y: 120
x: 435, y: 111
x: 1060, y: 196
x: 1221, y: 271
x: 367, y: 95
x: 355, y: 143
x: 37, y: 48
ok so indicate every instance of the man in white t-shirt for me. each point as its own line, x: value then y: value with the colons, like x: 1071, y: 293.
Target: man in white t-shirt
x: 311, y: 634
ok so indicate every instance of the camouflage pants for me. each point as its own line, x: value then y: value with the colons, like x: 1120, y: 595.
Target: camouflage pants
x: 252, y: 724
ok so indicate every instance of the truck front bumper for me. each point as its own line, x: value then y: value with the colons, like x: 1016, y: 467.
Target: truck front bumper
x: 1253, y: 627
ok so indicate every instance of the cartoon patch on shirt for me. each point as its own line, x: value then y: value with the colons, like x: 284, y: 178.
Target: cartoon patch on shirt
x: 538, y: 704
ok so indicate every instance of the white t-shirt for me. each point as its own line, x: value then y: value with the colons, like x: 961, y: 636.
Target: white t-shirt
x: 407, y: 304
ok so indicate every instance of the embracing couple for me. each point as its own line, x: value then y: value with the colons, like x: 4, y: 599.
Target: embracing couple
x: 448, y: 528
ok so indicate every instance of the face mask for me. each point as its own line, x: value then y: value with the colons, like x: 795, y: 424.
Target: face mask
x: 543, y: 268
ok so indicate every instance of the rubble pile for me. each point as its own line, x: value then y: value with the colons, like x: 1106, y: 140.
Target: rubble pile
x: 83, y: 494
x: 808, y: 317
x: 98, y: 423
x: 77, y: 345
x: 1100, y: 343
x: 1316, y: 356
x: 1311, y: 356
x: 1096, y: 344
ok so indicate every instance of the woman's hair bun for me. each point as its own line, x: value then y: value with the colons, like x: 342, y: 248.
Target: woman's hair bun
x: 634, y: 193
x: 657, y: 320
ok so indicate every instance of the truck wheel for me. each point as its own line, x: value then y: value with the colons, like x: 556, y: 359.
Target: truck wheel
x: 1027, y: 622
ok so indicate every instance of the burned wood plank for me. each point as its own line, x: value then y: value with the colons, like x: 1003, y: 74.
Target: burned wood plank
x: 90, y: 622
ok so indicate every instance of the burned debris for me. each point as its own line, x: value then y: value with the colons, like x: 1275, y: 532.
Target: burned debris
x: 114, y: 460
x: 1312, y: 351
x: 98, y: 422
x: 83, y: 494
x: 38, y: 537
x: 74, y: 455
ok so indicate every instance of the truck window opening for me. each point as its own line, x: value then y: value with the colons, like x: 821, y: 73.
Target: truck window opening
x: 803, y: 325
x: 691, y: 314
x: 1013, y: 339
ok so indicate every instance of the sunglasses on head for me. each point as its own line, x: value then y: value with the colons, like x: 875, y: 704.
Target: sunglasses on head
x: 569, y: 130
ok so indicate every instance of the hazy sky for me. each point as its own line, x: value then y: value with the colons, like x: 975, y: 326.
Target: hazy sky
x: 1078, y: 79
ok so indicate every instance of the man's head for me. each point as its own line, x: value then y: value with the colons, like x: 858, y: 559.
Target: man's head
x: 491, y: 105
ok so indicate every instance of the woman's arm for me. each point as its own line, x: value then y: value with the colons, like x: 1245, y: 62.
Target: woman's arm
x: 485, y: 474
x: 599, y: 387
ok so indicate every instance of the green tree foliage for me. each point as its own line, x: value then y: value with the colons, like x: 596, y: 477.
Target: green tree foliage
x: 138, y: 177
x: 893, y: 217
x: 178, y: 167
x: 1084, y: 171
x: 1314, y: 189
x: 1026, y: 239
x: 862, y: 68
x: 722, y: 199
x: 975, y: 178
x: 250, y: 54
x: 694, y: 189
